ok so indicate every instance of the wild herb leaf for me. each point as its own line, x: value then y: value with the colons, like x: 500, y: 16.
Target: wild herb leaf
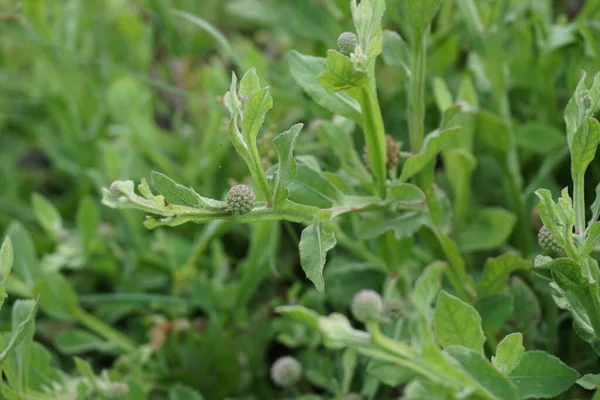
x: 508, y: 353
x: 286, y: 169
x: 305, y: 70
x: 542, y: 375
x: 315, y: 242
x: 457, y: 323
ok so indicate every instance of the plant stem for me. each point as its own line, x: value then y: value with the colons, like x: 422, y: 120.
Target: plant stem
x: 416, y: 93
x: 258, y: 173
x: 104, y: 330
x: 579, y: 203
x: 374, y: 131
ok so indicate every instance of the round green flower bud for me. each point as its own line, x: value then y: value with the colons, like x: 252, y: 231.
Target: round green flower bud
x: 347, y: 42
x: 286, y: 371
x: 240, y: 199
x: 547, y: 241
x: 367, y: 305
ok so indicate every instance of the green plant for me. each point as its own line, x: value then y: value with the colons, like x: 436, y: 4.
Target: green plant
x: 404, y: 182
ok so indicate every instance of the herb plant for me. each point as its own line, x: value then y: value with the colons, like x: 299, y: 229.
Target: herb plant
x: 383, y: 245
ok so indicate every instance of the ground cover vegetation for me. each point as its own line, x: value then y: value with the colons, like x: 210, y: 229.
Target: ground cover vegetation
x: 316, y: 199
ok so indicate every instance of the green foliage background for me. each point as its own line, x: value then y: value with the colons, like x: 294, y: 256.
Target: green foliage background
x: 97, y: 91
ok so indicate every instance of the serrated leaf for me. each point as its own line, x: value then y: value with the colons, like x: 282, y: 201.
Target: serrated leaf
x: 177, y: 194
x: 490, y: 229
x: 575, y: 110
x: 508, y: 353
x: 47, y: 215
x: 496, y: 272
x: 457, y: 323
x: 256, y: 107
x: 541, y: 375
x: 249, y: 83
x: 434, y: 143
x: 173, y: 192
x: 305, y: 70
x: 286, y: 169
x: 488, y: 379
x: 315, y: 242
x: 340, y: 74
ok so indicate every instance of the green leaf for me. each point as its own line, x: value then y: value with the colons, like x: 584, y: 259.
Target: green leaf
x: 340, y: 74
x: 23, y: 320
x: 575, y: 111
x: 395, y: 51
x: 593, y: 234
x: 88, y: 220
x: 496, y: 272
x: 57, y: 297
x: 255, y: 111
x: 181, y: 392
x: 584, y: 145
x: 315, y: 242
x: 558, y: 218
x: 311, y: 187
x: 419, y: 15
x: 568, y: 275
x: 434, y: 143
x: 286, y: 169
x: 460, y: 165
x: 175, y: 193
x: 76, y: 341
x: 539, y: 137
x: 6, y: 263
x: 300, y: 314
x: 390, y: 374
x: 47, y: 215
x: 403, y: 226
x: 589, y: 381
x: 442, y: 95
x: 488, y: 379
x: 542, y: 375
x: 495, y: 310
x: 528, y: 312
x: 595, y: 207
x: 508, y: 353
x: 457, y: 323
x: 490, y: 229
x: 494, y: 133
x: 305, y: 69
x: 427, y: 287
x: 26, y: 264
x: 420, y: 389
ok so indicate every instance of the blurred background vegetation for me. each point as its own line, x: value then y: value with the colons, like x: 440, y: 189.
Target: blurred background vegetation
x: 94, y: 91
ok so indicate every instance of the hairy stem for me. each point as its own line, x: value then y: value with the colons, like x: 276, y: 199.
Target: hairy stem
x: 579, y: 203
x: 374, y: 131
x: 416, y: 93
